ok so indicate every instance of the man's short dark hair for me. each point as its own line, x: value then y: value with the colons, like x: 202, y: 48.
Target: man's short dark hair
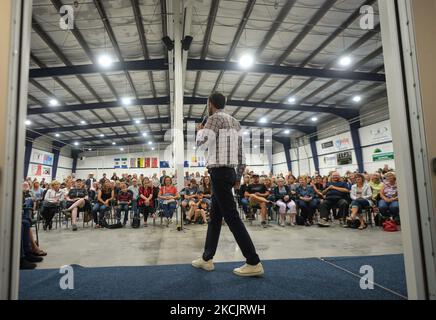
x: 218, y: 100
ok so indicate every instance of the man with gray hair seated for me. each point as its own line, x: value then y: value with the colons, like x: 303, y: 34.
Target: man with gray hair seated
x: 336, y: 196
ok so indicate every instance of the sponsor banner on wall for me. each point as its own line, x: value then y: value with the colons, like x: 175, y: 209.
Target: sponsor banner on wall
x: 330, y: 161
x: 376, y: 133
x: 344, y: 158
x: 335, y: 144
x: 36, y: 169
x: 42, y: 157
x: 46, y: 171
x: 39, y: 170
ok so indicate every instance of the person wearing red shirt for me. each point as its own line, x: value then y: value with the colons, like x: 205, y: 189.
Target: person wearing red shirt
x: 146, y: 201
x: 168, y: 196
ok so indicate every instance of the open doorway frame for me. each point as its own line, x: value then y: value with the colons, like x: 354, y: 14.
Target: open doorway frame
x: 15, y: 23
x: 405, y: 108
x: 399, y: 26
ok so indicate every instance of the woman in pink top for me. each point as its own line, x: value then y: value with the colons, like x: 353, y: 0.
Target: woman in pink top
x: 388, y: 205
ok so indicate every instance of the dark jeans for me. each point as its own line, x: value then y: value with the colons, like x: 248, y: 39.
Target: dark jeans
x: 330, y: 203
x: 168, y: 209
x: 360, y: 204
x: 224, y: 206
x: 245, y: 203
x: 389, y: 208
x: 98, y: 212
x: 48, y: 213
x: 146, y: 211
x: 307, y: 208
x: 124, y: 207
x: 26, y: 247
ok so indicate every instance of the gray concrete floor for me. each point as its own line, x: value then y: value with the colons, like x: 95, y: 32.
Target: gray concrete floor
x: 157, y: 245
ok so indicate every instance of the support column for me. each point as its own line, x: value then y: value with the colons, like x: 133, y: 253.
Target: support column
x: 354, y: 128
x: 56, y: 150
x: 287, y: 149
x: 27, y: 154
x: 314, y: 150
x: 178, y: 140
x: 75, y: 156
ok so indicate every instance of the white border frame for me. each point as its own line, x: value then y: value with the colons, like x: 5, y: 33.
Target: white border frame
x: 16, y: 110
x: 408, y: 135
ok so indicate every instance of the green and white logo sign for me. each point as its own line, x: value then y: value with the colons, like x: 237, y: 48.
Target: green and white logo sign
x: 379, y: 155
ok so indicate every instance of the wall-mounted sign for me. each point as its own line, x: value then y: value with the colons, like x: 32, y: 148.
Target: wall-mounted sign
x: 376, y: 133
x: 383, y: 156
x: 345, y: 158
x: 330, y: 161
x: 341, y: 142
x: 327, y: 145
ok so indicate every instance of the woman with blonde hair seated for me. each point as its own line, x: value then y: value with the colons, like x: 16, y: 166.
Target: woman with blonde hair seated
x: 51, y: 204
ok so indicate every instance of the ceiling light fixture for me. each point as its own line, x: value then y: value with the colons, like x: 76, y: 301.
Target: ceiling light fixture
x: 292, y: 100
x: 345, y: 61
x: 105, y: 61
x: 126, y: 101
x: 314, y: 119
x: 357, y: 99
x: 53, y: 102
x: 246, y: 61
x: 28, y: 122
x: 263, y: 120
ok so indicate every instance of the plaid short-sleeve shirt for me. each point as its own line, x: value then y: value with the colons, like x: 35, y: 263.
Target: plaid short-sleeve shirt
x: 222, y: 133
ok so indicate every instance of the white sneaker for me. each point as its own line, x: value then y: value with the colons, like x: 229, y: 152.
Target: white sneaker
x: 205, y: 265
x: 249, y: 271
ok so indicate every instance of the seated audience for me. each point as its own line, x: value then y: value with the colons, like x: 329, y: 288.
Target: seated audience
x: 76, y: 200
x: 389, y: 205
x: 29, y: 253
x: 134, y: 190
x: 245, y: 201
x: 52, y: 201
x: 361, y: 195
x: 168, y: 196
x: 190, y: 194
x: 306, y: 201
x: 257, y: 195
x: 104, y: 197
x: 376, y: 186
x: 124, y: 199
x: 146, y: 199
x: 206, y: 188
x: 195, y: 209
x: 284, y: 202
x: 336, y: 196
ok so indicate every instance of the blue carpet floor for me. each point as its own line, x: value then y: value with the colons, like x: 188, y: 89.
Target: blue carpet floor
x: 284, y: 279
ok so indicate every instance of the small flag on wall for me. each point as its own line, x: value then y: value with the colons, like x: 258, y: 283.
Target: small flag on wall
x: 164, y: 164
x: 124, y: 163
x: 154, y: 163
x: 133, y: 163
x: 147, y: 162
x: 117, y: 164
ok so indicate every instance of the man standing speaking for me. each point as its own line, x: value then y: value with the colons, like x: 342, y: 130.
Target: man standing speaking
x: 224, y: 144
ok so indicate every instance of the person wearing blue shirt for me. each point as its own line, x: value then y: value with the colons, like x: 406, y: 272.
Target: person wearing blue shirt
x: 306, y: 201
x: 336, y: 196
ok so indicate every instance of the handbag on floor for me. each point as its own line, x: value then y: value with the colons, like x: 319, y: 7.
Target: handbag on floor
x: 390, y: 226
x: 136, y: 222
